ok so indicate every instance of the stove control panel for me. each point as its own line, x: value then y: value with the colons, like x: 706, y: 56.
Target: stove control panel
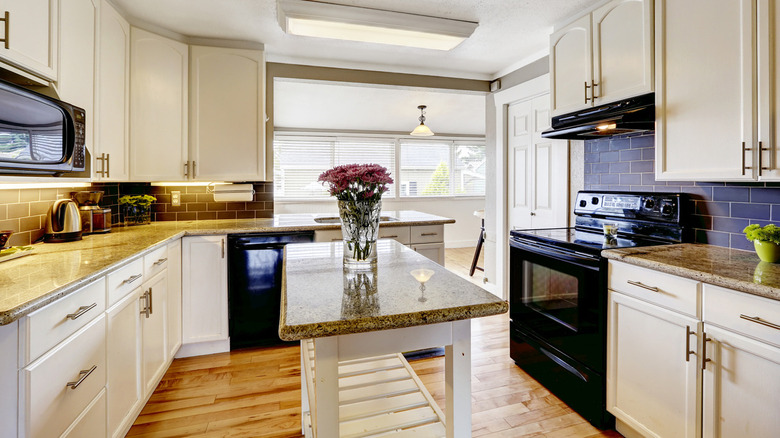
x: 663, y: 207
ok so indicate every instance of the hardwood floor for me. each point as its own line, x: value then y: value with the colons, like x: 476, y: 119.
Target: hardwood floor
x: 256, y: 392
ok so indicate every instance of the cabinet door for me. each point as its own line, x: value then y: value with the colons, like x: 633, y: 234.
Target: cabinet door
x: 227, y: 116
x: 769, y: 88
x: 154, y: 357
x: 741, y: 386
x: 123, y: 351
x: 704, y: 93
x: 622, y: 50
x: 174, y: 297
x: 32, y: 35
x: 204, y: 289
x: 76, y: 81
x: 651, y: 382
x: 434, y: 251
x: 113, y: 76
x: 158, y: 107
x: 571, y: 68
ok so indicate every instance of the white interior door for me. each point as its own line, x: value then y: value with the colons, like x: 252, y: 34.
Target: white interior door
x: 520, y: 144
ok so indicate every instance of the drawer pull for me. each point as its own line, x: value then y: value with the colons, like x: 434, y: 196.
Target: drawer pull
x: 83, y: 374
x: 429, y: 234
x: 390, y: 237
x: 82, y: 310
x: 688, y: 351
x: 160, y: 261
x: 758, y: 320
x: 643, y: 286
x: 132, y: 279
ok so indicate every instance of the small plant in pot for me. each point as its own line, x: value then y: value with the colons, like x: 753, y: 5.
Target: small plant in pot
x: 766, y: 241
x: 137, y: 209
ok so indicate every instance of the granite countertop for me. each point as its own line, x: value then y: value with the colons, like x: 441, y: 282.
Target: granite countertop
x: 729, y: 268
x: 321, y: 298
x: 52, y: 271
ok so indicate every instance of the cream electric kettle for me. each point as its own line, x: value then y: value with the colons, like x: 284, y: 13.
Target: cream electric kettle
x: 63, y: 222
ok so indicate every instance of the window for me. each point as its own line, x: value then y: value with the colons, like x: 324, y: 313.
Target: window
x: 421, y: 168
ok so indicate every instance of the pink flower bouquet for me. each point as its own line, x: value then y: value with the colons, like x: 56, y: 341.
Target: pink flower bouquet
x: 357, y: 182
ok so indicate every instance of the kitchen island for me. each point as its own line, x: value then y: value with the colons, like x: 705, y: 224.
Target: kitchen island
x: 343, y: 317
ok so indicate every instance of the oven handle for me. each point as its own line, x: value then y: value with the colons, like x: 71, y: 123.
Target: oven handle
x: 563, y: 255
x: 562, y: 363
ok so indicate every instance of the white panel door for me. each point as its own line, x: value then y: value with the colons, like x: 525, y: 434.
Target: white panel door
x: 704, y: 93
x: 622, y: 50
x: 521, y: 158
x: 113, y: 88
x: 650, y: 384
x: 154, y: 357
x: 204, y: 289
x: 741, y: 386
x: 227, y: 116
x: 769, y: 88
x: 123, y: 351
x: 158, y: 107
x: 32, y: 35
x: 571, y: 69
x: 76, y: 80
x: 174, y: 297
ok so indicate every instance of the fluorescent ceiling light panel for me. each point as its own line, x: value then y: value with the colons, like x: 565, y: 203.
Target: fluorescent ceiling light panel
x: 327, y: 20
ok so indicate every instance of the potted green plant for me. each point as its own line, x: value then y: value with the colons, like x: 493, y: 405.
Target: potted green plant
x: 766, y: 240
x: 137, y: 209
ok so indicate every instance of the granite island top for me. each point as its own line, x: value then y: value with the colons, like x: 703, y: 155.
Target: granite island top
x: 54, y: 270
x: 322, y: 298
x: 729, y: 268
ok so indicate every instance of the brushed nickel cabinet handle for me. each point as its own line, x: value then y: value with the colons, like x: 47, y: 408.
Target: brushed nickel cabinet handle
x: 688, y: 351
x: 222, y: 242
x: 145, y: 311
x: 390, y: 237
x: 81, y: 310
x: 704, y: 359
x: 83, y: 374
x: 160, y: 261
x: 593, y: 86
x: 586, y: 92
x: 429, y: 234
x: 101, y: 158
x: 758, y: 320
x: 151, y: 303
x: 132, y: 278
x: 336, y: 240
x: 107, y: 167
x: 643, y: 286
x: 761, y: 150
x: 745, y: 149
x: 7, y: 37
x: 186, y: 169
x: 194, y: 170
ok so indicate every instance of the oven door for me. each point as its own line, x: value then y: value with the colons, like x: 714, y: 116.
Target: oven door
x: 559, y: 297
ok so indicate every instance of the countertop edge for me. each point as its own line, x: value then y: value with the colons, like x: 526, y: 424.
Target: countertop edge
x: 634, y: 257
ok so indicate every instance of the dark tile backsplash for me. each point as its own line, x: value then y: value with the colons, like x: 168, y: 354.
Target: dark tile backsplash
x: 719, y: 210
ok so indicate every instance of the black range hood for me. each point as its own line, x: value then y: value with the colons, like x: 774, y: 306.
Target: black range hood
x: 625, y: 116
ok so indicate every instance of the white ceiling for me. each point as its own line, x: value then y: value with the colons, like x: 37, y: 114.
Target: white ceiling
x: 510, y: 32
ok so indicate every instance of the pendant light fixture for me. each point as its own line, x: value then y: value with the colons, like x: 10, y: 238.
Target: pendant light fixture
x: 421, y: 130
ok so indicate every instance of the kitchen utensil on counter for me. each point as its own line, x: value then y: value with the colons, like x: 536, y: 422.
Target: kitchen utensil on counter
x: 4, y: 236
x: 63, y: 222
x: 94, y: 218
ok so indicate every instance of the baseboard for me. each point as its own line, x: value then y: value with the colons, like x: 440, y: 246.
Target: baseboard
x: 203, y: 348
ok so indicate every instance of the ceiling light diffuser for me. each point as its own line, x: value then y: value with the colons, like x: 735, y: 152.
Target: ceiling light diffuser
x: 352, y: 23
x: 421, y: 130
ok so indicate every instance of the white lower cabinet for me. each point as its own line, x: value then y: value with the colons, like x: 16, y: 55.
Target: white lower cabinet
x: 671, y: 373
x: 204, y: 296
x: 154, y: 354
x: 92, y: 422
x: 174, y: 297
x: 434, y: 251
x: 428, y: 240
x: 124, y: 362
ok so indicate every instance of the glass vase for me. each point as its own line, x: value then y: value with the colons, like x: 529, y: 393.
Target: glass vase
x: 136, y: 214
x: 359, y: 226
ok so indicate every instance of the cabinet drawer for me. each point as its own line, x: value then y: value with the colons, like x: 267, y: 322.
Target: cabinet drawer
x: 427, y: 234
x: 124, y: 280
x: 92, y: 422
x: 401, y: 234
x: 49, y: 325
x: 155, y: 261
x: 327, y: 235
x: 674, y: 293
x: 743, y: 313
x: 49, y: 404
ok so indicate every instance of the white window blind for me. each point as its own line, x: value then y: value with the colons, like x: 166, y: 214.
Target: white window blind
x: 299, y: 161
x: 442, y: 168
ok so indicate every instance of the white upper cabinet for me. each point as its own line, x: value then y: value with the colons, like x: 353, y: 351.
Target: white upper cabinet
x: 601, y: 57
x: 158, y: 107
x: 227, y: 114
x: 76, y: 80
x: 714, y: 106
x: 30, y: 35
x: 112, y: 89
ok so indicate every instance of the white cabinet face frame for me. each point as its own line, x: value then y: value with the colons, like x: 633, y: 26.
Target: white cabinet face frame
x: 123, y: 350
x: 33, y: 36
x: 705, y: 101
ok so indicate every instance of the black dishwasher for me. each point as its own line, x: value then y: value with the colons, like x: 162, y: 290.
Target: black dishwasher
x: 255, y: 285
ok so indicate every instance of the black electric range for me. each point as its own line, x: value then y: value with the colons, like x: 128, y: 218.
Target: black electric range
x: 558, y: 290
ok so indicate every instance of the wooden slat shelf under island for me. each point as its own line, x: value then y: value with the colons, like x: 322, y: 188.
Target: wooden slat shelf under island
x: 352, y: 326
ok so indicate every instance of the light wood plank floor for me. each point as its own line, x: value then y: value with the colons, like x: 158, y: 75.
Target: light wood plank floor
x: 256, y: 392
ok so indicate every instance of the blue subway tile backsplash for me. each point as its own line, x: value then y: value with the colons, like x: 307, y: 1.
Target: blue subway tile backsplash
x: 720, y: 210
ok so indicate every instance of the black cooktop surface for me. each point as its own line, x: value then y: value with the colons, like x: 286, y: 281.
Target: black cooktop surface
x: 582, y: 240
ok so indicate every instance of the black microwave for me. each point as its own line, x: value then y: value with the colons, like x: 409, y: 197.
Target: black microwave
x: 39, y: 135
